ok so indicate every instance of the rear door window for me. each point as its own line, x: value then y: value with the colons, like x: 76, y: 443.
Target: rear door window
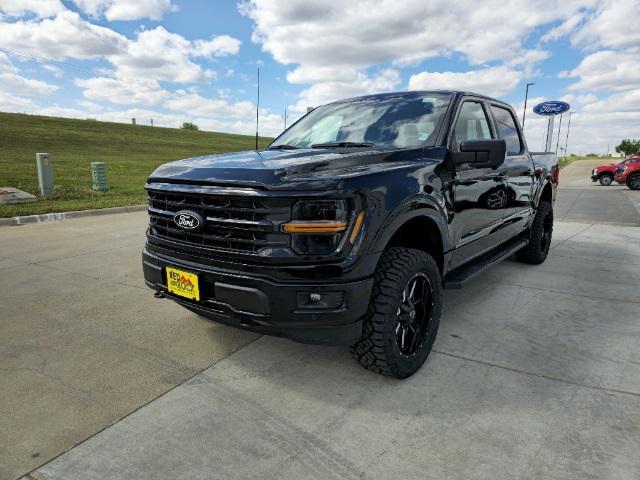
x: 507, y: 129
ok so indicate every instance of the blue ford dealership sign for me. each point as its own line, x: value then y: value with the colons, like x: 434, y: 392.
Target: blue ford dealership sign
x: 551, y: 108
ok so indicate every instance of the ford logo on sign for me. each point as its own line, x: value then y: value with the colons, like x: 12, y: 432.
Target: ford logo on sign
x: 551, y: 108
x: 188, y: 220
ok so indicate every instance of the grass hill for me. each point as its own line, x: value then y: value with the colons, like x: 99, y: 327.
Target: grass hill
x: 131, y: 152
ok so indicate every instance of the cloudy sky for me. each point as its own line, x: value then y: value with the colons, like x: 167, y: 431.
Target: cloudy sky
x: 175, y: 61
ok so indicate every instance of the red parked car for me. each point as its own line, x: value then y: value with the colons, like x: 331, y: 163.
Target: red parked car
x: 605, y: 173
x: 629, y: 174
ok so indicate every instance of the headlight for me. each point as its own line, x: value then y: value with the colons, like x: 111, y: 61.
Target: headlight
x: 317, y: 226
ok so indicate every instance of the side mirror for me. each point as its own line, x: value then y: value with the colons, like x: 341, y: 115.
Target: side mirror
x: 481, y: 153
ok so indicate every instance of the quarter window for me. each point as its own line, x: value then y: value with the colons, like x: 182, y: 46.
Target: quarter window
x: 507, y: 129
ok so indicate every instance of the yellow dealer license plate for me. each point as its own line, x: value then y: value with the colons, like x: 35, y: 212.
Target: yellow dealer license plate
x: 183, y: 283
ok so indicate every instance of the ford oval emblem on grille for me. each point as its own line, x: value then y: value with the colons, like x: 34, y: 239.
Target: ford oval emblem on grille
x: 188, y: 220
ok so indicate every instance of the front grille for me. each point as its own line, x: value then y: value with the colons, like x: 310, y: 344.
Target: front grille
x: 231, y: 223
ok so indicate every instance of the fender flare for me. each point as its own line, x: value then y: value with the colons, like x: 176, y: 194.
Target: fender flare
x: 402, y: 215
x: 543, y: 185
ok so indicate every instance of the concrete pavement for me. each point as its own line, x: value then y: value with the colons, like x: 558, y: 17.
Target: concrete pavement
x: 535, y: 373
x: 83, y: 340
x: 585, y: 201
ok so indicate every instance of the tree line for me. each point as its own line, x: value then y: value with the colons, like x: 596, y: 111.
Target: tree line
x: 629, y: 147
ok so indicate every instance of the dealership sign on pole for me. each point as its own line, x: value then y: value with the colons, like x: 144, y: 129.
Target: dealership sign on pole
x: 550, y: 109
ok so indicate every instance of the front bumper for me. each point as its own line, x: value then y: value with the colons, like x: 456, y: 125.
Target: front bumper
x: 594, y: 178
x: 260, y: 304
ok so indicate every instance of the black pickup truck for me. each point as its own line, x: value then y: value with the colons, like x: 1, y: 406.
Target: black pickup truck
x: 347, y: 227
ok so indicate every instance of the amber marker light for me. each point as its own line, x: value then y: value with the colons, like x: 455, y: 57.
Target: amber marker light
x: 356, y: 227
x: 315, y: 227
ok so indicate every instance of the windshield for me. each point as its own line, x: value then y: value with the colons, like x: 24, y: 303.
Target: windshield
x: 402, y: 122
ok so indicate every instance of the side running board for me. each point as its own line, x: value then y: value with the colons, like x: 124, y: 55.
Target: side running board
x: 466, y: 272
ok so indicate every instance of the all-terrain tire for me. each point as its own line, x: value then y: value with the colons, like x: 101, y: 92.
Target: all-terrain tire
x: 540, y: 234
x: 380, y: 349
x: 633, y: 182
x: 605, y: 180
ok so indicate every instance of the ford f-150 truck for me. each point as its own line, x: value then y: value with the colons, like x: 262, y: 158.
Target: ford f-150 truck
x: 604, y: 174
x: 629, y: 173
x: 347, y: 227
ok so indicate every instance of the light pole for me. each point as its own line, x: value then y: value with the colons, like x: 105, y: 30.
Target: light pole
x: 526, y: 95
x: 258, y: 110
x: 566, y: 142
x: 559, y: 130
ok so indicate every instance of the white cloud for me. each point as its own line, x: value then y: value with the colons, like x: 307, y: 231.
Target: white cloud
x: 53, y: 69
x: 566, y: 27
x: 40, y: 8
x: 11, y: 82
x: 15, y: 103
x: 137, y: 66
x: 195, y: 104
x: 126, y: 9
x: 160, y: 55
x: 365, y: 32
x: 613, y: 25
x: 334, y: 45
x: 219, y: 46
x: 122, y: 91
x: 607, y: 70
x: 156, y: 54
x: 66, y: 35
x: 348, y: 83
x: 494, y: 81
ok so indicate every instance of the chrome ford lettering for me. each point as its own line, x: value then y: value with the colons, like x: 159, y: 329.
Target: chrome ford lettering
x: 188, y: 220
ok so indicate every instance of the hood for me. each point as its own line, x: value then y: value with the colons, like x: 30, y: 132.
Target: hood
x: 290, y: 169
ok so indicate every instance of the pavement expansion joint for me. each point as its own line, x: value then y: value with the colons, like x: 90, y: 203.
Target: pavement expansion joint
x: 539, y: 375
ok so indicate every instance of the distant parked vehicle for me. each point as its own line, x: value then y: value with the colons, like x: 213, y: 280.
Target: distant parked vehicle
x: 604, y: 174
x: 629, y: 174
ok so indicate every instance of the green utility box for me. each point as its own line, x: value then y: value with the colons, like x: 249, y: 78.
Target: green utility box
x: 45, y: 174
x: 99, y: 176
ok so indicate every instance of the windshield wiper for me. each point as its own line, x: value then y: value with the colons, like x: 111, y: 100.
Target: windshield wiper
x: 284, y: 146
x: 341, y: 145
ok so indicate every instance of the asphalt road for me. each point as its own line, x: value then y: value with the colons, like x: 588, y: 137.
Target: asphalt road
x: 535, y: 372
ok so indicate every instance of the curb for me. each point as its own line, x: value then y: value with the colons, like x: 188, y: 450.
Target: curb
x: 57, y: 217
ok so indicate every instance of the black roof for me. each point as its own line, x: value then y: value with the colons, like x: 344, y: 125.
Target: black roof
x: 415, y: 93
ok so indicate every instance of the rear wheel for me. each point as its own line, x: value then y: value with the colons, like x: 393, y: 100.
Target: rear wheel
x: 404, y: 313
x: 540, y: 234
x: 605, y: 180
x: 633, y: 182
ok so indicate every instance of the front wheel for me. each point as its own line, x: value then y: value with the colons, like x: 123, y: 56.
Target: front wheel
x: 404, y: 313
x: 633, y: 182
x: 605, y: 180
x: 540, y: 234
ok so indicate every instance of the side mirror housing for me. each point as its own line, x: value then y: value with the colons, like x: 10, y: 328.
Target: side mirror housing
x: 481, y: 153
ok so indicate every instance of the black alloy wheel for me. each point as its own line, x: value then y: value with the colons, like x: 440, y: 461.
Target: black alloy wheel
x: 634, y: 182
x: 547, y: 230
x: 402, y: 321
x: 540, y: 234
x: 414, y: 314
